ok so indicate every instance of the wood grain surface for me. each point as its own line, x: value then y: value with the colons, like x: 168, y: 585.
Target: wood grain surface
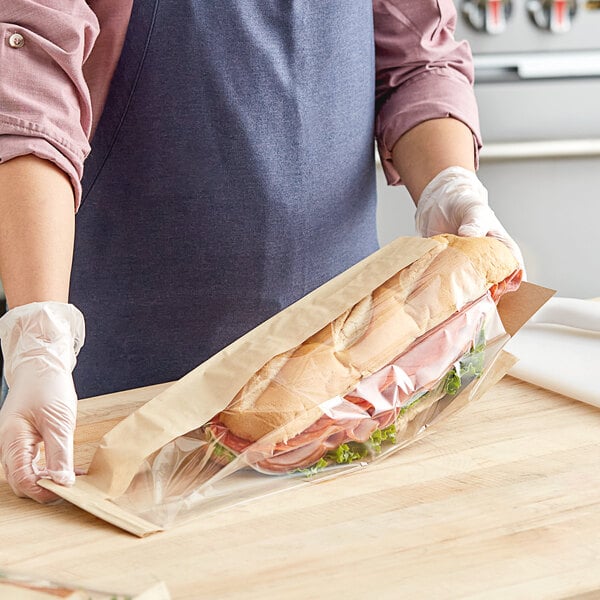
x: 503, y: 501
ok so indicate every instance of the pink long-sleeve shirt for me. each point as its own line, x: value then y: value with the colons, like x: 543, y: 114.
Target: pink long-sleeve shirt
x: 57, y: 58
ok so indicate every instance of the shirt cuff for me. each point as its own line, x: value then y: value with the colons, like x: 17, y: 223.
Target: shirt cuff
x: 435, y: 94
x: 12, y: 146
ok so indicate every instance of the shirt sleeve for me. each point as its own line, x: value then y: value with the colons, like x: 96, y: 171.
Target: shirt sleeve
x: 45, y: 106
x: 421, y: 72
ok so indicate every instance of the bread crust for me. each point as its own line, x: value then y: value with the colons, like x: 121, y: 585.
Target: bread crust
x: 285, y: 395
x: 489, y: 256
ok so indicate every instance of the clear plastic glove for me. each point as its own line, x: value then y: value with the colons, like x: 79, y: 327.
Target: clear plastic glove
x: 40, y: 342
x: 455, y: 201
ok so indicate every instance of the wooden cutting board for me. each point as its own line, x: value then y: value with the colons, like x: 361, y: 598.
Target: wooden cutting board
x: 502, y: 502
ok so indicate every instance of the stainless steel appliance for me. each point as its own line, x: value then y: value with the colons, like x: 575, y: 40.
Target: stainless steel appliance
x: 537, y: 81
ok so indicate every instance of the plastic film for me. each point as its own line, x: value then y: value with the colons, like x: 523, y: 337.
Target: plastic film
x: 211, y: 468
x: 355, y: 370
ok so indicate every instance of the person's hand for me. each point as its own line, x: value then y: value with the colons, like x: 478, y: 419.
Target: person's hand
x: 40, y: 342
x: 455, y: 201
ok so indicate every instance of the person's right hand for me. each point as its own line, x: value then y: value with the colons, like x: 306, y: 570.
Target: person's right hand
x: 40, y: 342
x: 455, y: 201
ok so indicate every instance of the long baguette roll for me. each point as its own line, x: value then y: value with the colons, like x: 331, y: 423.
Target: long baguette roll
x: 286, y: 394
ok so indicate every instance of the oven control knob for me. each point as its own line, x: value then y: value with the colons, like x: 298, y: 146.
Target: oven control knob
x: 488, y: 16
x: 553, y: 15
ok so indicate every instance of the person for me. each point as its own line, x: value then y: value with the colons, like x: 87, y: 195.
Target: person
x: 231, y: 172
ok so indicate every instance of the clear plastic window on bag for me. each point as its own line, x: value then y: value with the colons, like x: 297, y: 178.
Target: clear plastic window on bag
x: 211, y: 468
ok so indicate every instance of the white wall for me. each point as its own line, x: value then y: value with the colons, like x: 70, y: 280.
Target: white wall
x: 395, y: 214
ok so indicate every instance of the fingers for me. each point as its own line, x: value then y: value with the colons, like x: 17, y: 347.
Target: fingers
x: 57, y: 431
x: 513, y: 247
x: 18, y: 461
x: 472, y: 230
x: 481, y: 221
x: 20, y: 448
x: 475, y: 220
x: 497, y: 231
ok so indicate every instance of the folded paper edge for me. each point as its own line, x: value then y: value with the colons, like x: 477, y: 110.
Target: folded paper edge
x: 89, y: 498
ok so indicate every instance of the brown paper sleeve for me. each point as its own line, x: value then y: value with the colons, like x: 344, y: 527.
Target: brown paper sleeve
x: 208, y: 389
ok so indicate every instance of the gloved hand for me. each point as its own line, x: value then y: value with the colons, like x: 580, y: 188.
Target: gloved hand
x: 455, y: 201
x: 40, y: 342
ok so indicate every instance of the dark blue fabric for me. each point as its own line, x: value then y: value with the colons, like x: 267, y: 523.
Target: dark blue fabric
x: 232, y: 173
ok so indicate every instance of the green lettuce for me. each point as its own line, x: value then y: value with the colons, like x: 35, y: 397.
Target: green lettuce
x: 465, y: 370
x: 379, y: 436
x: 469, y: 367
x: 222, y: 452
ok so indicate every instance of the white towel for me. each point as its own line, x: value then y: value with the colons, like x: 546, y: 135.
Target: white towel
x: 559, y: 349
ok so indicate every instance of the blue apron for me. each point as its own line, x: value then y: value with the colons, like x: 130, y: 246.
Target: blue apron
x: 231, y: 173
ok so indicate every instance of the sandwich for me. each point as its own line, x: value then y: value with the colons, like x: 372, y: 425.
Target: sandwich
x: 374, y: 376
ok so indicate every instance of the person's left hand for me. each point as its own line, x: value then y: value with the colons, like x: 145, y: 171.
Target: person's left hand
x: 455, y: 201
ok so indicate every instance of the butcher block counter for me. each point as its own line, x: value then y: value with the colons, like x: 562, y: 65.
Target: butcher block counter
x: 502, y: 501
